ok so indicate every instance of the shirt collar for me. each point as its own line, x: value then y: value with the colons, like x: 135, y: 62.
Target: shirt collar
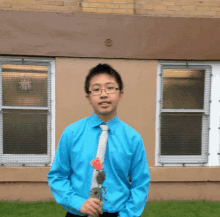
x: 96, y: 121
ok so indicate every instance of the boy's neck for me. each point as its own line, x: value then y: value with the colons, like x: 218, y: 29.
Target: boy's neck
x: 106, y: 118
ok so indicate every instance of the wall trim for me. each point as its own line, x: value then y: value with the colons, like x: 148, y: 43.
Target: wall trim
x: 84, y: 35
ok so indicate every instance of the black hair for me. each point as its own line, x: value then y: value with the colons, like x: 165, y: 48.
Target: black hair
x: 103, y: 69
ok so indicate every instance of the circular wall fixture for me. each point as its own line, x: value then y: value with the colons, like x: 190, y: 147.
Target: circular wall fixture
x: 108, y: 42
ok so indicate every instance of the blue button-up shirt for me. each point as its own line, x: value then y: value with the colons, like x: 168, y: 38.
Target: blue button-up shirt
x: 70, y: 176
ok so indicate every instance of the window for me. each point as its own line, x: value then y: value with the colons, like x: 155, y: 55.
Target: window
x: 184, y: 114
x: 26, y: 111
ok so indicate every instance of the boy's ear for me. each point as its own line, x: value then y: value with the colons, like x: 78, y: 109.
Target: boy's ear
x: 88, y: 98
x: 121, y: 94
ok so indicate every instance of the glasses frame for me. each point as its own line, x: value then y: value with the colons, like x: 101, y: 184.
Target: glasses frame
x: 102, y: 90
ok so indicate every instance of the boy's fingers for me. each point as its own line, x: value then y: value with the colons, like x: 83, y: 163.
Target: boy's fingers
x: 99, y: 202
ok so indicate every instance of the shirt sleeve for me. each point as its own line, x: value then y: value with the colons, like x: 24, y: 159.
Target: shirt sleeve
x: 140, y: 183
x: 59, y: 177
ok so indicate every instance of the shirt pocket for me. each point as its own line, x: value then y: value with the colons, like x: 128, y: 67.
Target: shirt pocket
x: 121, y: 162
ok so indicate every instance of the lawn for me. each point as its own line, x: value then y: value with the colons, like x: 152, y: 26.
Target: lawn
x: 152, y: 209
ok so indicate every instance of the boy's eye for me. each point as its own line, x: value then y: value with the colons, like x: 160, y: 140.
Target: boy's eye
x: 96, y: 90
x: 110, y: 88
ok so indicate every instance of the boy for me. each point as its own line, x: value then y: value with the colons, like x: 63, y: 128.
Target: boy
x: 71, y: 173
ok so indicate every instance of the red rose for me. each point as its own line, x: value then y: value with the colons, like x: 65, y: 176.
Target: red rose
x: 96, y: 164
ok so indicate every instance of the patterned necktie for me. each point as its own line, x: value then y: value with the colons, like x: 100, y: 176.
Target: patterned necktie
x: 100, y: 154
x: 102, y: 143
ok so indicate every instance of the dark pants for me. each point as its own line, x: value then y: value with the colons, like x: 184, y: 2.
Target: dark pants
x: 103, y: 215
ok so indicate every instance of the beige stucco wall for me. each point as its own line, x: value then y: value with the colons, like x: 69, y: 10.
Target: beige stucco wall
x: 165, y: 191
x: 138, y: 109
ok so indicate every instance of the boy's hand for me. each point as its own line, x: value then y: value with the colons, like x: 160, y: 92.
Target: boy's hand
x: 92, y: 206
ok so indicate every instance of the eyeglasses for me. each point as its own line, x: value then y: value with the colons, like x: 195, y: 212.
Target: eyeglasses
x: 109, y: 88
x: 97, y: 192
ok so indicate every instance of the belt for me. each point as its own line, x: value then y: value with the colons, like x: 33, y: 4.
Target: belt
x: 103, y: 213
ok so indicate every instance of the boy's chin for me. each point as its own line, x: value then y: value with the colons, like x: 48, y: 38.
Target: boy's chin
x: 105, y: 113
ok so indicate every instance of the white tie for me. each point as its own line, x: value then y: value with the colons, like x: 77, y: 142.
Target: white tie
x: 102, y: 143
x: 100, y: 153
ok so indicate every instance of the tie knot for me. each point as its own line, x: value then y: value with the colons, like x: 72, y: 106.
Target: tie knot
x: 104, y: 127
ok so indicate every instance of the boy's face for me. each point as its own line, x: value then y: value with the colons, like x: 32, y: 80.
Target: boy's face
x: 104, y: 111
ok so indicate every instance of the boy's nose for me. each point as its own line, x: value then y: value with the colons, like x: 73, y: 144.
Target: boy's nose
x: 103, y: 92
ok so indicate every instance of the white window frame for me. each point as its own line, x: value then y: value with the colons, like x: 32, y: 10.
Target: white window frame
x: 32, y: 159
x: 213, y: 154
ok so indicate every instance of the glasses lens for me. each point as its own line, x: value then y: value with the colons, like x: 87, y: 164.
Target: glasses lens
x: 110, y: 88
x: 96, y: 91
x: 100, y: 177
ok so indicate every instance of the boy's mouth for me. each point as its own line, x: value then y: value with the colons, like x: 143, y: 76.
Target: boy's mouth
x: 104, y: 103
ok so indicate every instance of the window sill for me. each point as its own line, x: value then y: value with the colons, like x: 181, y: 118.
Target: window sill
x: 23, y: 174
x: 157, y: 174
x: 184, y: 174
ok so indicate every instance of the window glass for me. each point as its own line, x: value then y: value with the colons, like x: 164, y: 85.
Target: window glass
x: 183, y: 88
x: 24, y: 132
x: 24, y: 85
x: 181, y: 134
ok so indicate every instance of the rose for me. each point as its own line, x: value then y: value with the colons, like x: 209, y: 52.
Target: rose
x: 97, y: 164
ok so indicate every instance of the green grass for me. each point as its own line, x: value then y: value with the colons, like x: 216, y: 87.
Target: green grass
x: 152, y: 209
